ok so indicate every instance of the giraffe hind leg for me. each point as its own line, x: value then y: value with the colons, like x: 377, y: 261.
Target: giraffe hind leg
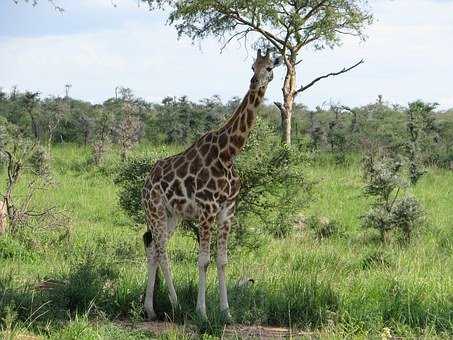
x: 153, y: 277
x: 170, y: 224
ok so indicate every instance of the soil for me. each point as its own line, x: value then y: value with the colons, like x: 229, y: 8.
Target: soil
x: 230, y: 332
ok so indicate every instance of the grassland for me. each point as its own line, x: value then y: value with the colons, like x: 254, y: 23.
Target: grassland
x: 345, y: 285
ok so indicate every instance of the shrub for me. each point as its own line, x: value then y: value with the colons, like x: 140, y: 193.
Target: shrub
x: 391, y: 210
x: 131, y: 177
x: 23, y: 156
x: 273, y: 188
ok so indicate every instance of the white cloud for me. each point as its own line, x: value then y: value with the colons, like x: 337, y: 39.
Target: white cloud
x: 147, y: 59
x: 408, y: 56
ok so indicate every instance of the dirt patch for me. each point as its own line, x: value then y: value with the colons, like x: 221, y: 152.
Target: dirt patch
x: 262, y: 332
x: 229, y: 332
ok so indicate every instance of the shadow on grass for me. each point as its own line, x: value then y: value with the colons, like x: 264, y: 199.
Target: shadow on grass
x: 93, y: 288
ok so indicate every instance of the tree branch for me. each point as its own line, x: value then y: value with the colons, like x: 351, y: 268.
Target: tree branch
x: 279, y: 106
x: 239, y: 35
x: 278, y: 43
x: 314, y: 10
x: 314, y: 81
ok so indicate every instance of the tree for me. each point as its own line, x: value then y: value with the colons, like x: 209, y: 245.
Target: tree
x: 129, y: 129
x: 30, y: 101
x: 180, y: 119
x: 289, y: 26
x: 422, y: 134
x: 53, y: 112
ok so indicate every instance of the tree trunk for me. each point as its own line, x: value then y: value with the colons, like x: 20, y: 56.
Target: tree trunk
x: 34, y: 126
x: 286, y: 110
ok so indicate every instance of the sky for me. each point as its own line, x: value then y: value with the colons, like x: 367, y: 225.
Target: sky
x: 97, y: 45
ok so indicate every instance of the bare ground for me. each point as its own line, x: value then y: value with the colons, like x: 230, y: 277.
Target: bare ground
x: 230, y: 332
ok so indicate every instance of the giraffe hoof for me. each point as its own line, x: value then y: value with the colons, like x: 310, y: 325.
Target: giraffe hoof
x: 227, y: 319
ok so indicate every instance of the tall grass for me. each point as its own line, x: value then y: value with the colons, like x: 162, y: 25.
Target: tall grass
x: 347, y: 284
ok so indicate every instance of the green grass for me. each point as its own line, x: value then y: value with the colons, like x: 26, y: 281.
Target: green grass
x: 345, y: 285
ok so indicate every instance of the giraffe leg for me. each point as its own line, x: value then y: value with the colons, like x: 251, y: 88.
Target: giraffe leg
x: 152, y: 270
x: 164, y: 261
x: 203, y: 263
x: 224, y: 220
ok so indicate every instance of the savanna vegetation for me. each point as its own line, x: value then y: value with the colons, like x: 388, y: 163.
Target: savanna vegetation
x: 347, y: 232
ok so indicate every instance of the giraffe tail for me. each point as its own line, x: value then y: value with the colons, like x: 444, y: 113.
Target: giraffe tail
x: 147, y: 239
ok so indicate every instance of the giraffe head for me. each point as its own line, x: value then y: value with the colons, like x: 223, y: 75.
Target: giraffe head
x: 262, y: 68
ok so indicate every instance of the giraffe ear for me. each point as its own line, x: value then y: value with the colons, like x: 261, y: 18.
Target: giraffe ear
x: 278, y: 61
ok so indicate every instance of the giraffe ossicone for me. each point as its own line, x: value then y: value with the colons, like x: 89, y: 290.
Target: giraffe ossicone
x: 201, y: 183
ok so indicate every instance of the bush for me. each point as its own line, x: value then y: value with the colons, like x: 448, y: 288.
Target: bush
x: 22, y: 156
x: 390, y: 210
x: 273, y: 188
x: 131, y: 177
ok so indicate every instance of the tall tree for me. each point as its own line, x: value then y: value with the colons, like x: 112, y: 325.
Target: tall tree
x: 290, y: 26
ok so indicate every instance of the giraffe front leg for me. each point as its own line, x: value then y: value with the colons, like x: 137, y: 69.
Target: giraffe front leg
x: 203, y: 263
x: 224, y: 220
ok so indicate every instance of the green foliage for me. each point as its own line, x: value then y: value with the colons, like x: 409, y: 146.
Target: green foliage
x: 422, y: 134
x: 389, y: 210
x: 340, y: 287
x: 40, y: 162
x: 181, y: 120
x: 310, y: 21
x: 336, y: 136
x: 273, y: 186
x: 131, y: 180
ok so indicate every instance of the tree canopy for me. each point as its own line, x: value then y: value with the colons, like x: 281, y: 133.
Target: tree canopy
x: 289, y: 25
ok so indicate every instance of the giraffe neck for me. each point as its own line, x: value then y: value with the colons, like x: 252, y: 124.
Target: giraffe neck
x: 238, y: 127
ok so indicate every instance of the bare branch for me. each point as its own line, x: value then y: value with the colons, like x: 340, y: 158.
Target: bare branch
x: 239, y: 35
x: 314, y: 81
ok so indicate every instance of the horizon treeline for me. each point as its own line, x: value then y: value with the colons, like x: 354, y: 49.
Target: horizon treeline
x: 178, y: 120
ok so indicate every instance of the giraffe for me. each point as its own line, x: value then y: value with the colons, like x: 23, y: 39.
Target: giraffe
x: 201, y: 183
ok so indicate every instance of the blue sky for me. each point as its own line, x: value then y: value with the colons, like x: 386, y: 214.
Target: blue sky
x: 96, y: 46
